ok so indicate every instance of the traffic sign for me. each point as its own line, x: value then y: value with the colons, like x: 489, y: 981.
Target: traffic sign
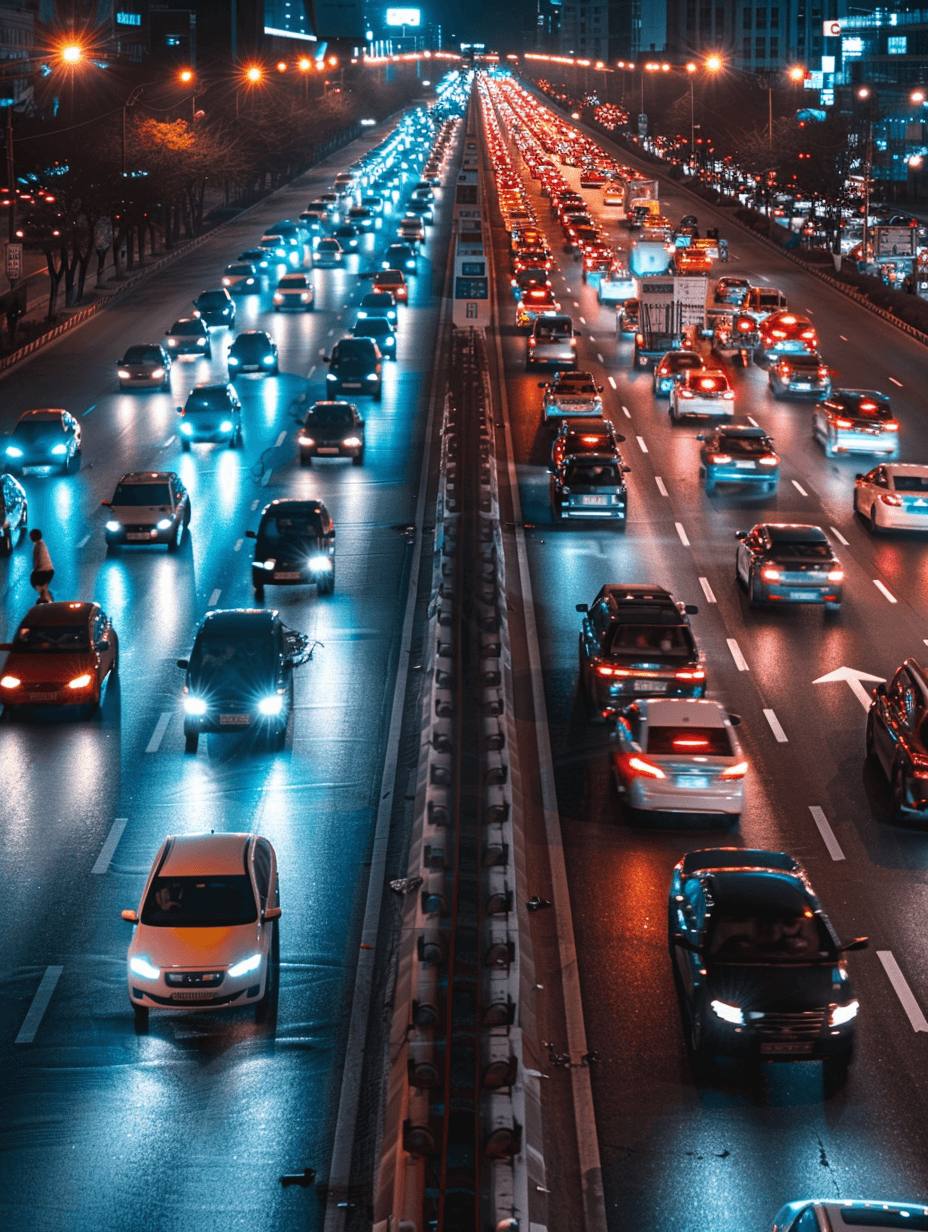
x: 14, y: 261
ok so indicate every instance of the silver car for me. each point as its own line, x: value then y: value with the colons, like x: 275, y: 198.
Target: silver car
x: 847, y: 1214
x: 294, y: 291
x: 552, y: 341
x: 146, y: 366
x: 572, y: 395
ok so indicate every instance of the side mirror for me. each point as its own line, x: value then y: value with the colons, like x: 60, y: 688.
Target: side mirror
x: 542, y: 385
x: 626, y: 470
x: 251, y: 534
x: 184, y: 663
x: 180, y: 410
x: 741, y: 534
x: 691, y: 609
x: 109, y: 504
x: 620, y: 438
x: 272, y: 913
x: 858, y: 475
x: 132, y: 917
x: 326, y: 359
x: 735, y: 720
x: 583, y: 607
x: 859, y: 943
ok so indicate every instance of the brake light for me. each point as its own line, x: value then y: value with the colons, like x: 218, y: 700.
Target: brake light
x: 603, y: 670
x: 695, y: 673
x: 769, y: 459
x: 836, y: 575
x: 889, y: 498
x: 778, y: 333
x: 531, y: 342
x: 646, y: 768
x: 690, y: 744
x: 590, y: 440
x: 707, y: 383
x: 745, y: 326
x: 890, y: 426
x: 807, y: 333
x: 823, y: 371
x: 639, y: 338
x: 729, y: 393
x: 720, y: 459
x: 770, y: 575
x: 789, y: 319
x: 686, y: 393
x: 738, y: 771
x: 844, y: 423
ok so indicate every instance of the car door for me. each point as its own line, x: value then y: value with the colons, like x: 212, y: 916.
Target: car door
x: 595, y: 624
x: 746, y: 549
x: 895, y: 710
x: 865, y: 489
x: 691, y: 921
x: 101, y: 633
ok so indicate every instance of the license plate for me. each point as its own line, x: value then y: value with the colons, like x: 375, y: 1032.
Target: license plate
x: 799, y: 595
x: 327, y: 449
x: 744, y: 466
x: 192, y: 996
x: 351, y: 384
x: 770, y: 1049
x: 44, y: 697
x: 695, y: 782
x: 593, y: 500
x: 235, y: 720
x: 802, y: 385
x: 286, y: 577
x: 134, y: 534
x: 650, y: 686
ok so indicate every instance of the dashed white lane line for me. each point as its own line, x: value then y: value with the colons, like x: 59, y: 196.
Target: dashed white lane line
x: 576, y: 305
x: 682, y: 533
x: 707, y: 591
x: 753, y: 422
x: 612, y: 381
x: 825, y: 830
x: 39, y: 1005
x: 254, y: 505
x: 837, y: 534
x: 902, y: 990
x: 778, y: 733
x: 157, y: 735
x: 842, y: 337
x: 660, y: 485
x: 214, y: 598
x: 281, y: 438
x: 112, y: 839
x: 888, y: 594
x: 583, y: 320
x: 309, y: 374
x: 895, y: 382
x: 330, y: 333
x: 599, y: 356
x: 84, y: 541
x: 169, y: 442
x: 238, y: 545
x: 626, y: 412
x: 740, y: 661
x: 799, y: 488
x: 641, y: 444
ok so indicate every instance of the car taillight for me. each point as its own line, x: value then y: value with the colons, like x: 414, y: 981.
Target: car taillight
x: 823, y: 372
x: 531, y: 342
x: 729, y: 393
x: 890, y: 426
x: 693, y: 673
x: 686, y: 393
x: 844, y: 423
x: 836, y: 575
x: 808, y: 333
x: 720, y: 459
x: 890, y: 498
x: 646, y: 768
x: 770, y: 575
x: 639, y: 338
x: 604, y: 670
x: 778, y: 333
x: 738, y: 771
x: 769, y: 459
x: 745, y: 326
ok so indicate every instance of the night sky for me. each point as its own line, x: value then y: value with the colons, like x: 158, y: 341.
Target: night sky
x: 489, y: 21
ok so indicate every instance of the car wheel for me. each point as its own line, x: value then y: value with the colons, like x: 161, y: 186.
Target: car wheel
x: 259, y: 594
x: 24, y: 520
x: 672, y: 412
x: 829, y: 447
x: 6, y: 544
x: 325, y: 584
x: 266, y: 1008
x: 166, y: 383
x: 702, y: 1057
x: 185, y: 446
x: 73, y: 464
x: 178, y: 537
x: 140, y: 1019
x: 872, y: 525
x: 378, y: 396
x: 770, y: 488
x: 710, y: 487
x: 358, y: 459
x: 191, y: 738
x: 755, y: 592
x: 208, y: 353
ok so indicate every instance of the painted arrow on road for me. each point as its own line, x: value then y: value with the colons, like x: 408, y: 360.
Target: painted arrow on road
x: 855, y: 679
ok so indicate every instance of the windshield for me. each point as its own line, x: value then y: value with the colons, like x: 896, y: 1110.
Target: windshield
x: 212, y: 299
x: 293, y: 282
x: 35, y: 429
x: 220, y: 653
x: 704, y: 385
x: 673, y: 640
x: 142, y: 355
x: 373, y: 327
x: 338, y: 416
x: 239, y: 269
x: 290, y: 526
x: 768, y: 937
x: 211, y: 401
x: 693, y: 741
x: 552, y: 329
x: 200, y: 902
x: 186, y: 327
x: 52, y: 638
x: 142, y: 494
x: 744, y: 446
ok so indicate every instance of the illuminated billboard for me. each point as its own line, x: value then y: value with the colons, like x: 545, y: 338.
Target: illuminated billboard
x: 404, y: 17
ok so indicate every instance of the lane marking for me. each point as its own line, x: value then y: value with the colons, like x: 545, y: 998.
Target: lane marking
x: 842, y: 337
x: 895, y: 382
x: 238, y: 545
x: 626, y: 412
x: 660, y: 485
x: 254, y: 505
x: 599, y: 356
x: 310, y: 372
x: 778, y: 732
x: 89, y: 409
x: 84, y: 541
x: 214, y: 598
x: 883, y: 591
x: 157, y: 735
x: 280, y: 440
x: 902, y: 990
x: 825, y: 830
x: 106, y: 852
x: 612, y: 381
x: 753, y: 422
x: 837, y: 534
x: 583, y: 320
x: 740, y: 661
x: 169, y: 442
x: 39, y: 1005
x: 642, y: 446
x: 576, y: 305
x: 681, y: 532
x: 708, y: 592
x: 592, y: 337
x: 799, y: 488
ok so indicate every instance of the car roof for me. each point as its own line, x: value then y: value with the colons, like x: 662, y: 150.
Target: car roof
x: 192, y: 855
x: 60, y: 613
x: 858, y: 395
x: 294, y: 506
x: 327, y: 402
x: 794, y: 532
x: 761, y: 889
x: 46, y: 414
x: 673, y: 710
x: 203, y: 386
x: 741, y: 430
x: 629, y: 595
x: 737, y: 857
x: 253, y: 333
x: 239, y: 619
x: 879, y: 1217
x: 148, y: 477
x: 911, y: 468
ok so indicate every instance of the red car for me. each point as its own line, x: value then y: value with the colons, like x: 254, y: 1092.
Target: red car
x: 62, y: 655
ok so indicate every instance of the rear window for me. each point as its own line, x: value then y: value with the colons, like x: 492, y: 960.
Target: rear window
x: 553, y: 329
x: 692, y: 741
x: 293, y: 282
x: 784, y: 550
x: 867, y: 408
x: 885, y: 1219
x: 593, y: 475
x: 675, y: 640
x: 910, y: 483
x: 744, y: 446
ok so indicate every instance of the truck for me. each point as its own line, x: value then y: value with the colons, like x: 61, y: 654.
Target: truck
x: 672, y: 313
x: 640, y: 190
x: 649, y: 257
x: 736, y: 334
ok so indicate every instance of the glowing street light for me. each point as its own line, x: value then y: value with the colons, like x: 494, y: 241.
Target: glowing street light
x: 713, y: 63
x: 797, y: 73
x: 72, y: 53
x: 253, y: 74
x: 186, y: 75
x: 305, y: 64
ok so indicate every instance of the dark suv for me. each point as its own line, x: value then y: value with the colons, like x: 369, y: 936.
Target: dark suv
x: 215, y: 307
x: 354, y: 367
x: 636, y: 641
x: 758, y: 967
x: 211, y: 413
x: 897, y: 738
x: 295, y: 546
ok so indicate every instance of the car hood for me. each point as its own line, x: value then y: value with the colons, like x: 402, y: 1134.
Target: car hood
x: 331, y: 432
x: 143, y: 515
x: 55, y: 665
x: 782, y: 989
x: 195, y: 947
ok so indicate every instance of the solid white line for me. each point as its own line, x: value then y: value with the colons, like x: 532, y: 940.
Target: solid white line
x: 682, y: 533
x: 707, y: 590
x: 643, y: 447
x: 238, y: 545
x: 214, y: 598
x: 837, y: 534
x: 779, y: 733
x: 39, y: 1005
x: 280, y: 440
x: 799, y: 488
x: 310, y: 372
x: 895, y: 382
x: 106, y: 852
x: 612, y: 381
x: 157, y: 735
x: 740, y: 661
x: 825, y: 830
x: 883, y: 591
x: 86, y: 539
x: 902, y: 990
x: 660, y: 485
x: 753, y: 421
x: 626, y: 412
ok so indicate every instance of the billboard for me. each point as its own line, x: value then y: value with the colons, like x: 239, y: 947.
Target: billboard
x: 404, y: 17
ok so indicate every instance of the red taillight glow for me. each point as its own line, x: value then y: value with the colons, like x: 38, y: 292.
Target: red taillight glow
x: 890, y: 426
x: 720, y: 459
x: 836, y: 575
x: 611, y: 671
x: 844, y: 423
x: 738, y: 771
x: 769, y: 459
x: 690, y: 744
x: 696, y: 673
x: 647, y: 768
x: 770, y: 575
x: 889, y: 498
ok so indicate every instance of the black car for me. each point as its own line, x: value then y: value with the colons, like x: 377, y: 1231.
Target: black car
x: 583, y: 438
x: 332, y: 429
x: 348, y: 236
x: 44, y: 440
x: 590, y: 486
x: 783, y: 562
x: 215, y: 307
x: 295, y: 546
x: 240, y: 675
x: 14, y: 513
x: 382, y: 332
x: 759, y: 969
x: 211, y: 413
x: 637, y: 641
x: 897, y: 738
x: 253, y: 351
x: 355, y: 366
x: 378, y: 304
x: 189, y: 336
x: 402, y: 257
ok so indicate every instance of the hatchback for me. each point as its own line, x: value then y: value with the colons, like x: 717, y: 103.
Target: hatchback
x: 148, y: 507
x: 215, y: 308
x: 294, y: 291
x: 332, y: 429
x: 211, y: 413
x: 42, y: 441
x: 294, y: 546
x: 355, y: 365
x: 780, y: 562
x: 189, y: 336
x: 253, y: 351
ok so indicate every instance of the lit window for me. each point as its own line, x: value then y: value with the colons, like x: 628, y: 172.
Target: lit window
x: 897, y: 44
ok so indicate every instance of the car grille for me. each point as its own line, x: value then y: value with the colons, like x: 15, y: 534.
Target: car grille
x: 795, y: 1026
x: 194, y: 979
x: 44, y: 686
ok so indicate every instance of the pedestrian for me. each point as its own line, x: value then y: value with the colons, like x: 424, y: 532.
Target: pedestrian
x: 42, y: 568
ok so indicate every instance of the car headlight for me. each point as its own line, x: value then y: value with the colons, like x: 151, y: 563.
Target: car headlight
x: 114, y: 526
x: 172, y: 342
x: 201, y: 342
x: 840, y: 1014
x: 269, y: 359
x: 164, y: 524
x: 306, y: 440
x: 156, y: 375
x: 13, y: 451
x: 371, y: 376
x: 60, y: 449
x: 728, y: 1013
x: 187, y: 429
x: 329, y: 376
x: 278, y: 297
x: 227, y: 282
x: 123, y: 374
x: 195, y: 705
x: 140, y: 965
x: 245, y: 966
x: 320, y: 564
x: 362, y: 315
x: 352, y: 441
x: 10, y: 682
x: 233, y: 359
x: 80, y: 682
x: 270, y: 705
x: 266, y: 564
x: 226, y: 425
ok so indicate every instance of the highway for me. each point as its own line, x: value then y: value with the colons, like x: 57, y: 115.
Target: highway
x: 192, y: 1124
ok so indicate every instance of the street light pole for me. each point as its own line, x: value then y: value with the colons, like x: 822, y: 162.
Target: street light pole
x: 864, y: 93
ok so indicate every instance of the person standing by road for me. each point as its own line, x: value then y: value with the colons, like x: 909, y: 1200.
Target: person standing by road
x: 42, y: 568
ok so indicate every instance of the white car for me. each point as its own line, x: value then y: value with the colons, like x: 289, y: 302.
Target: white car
x: 294, y: 291
x: 680, y: 755
x: 204, y: 930
x: 702, y: 393
x: 843, y: 1214
x: 572, y: 395
x: 893, y: 496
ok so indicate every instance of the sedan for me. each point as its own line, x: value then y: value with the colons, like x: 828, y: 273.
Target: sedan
x: 739, y: 453
x: 378, y: 304
x: 294, y: 291
x: 189, y: 336
x: 257, y: 257
x: 348, y: 236
x: 672, y: 368
x: 788, y: 563
x: 332, y: 429
x: 62, y: 655
x: 411, y: 229
x: 831, y: 1215
x: 242, y: 278
x: 856, y: 421
x: 329, y: 254
x: 897, y: 737
x: 680, y: 755
x: 401, y: 257
x: 701, y: 393
x: 394, y: 281
x: 294, y: 546
x: 215, y: 308
x: 206, y: 926
x: 14, y: 513
x: 253, y: 351
x: 42, y: 441
x: 148, y: 507
x: 799, y: 376
x: 381, y: 330
x: 212, y: 413
x: 146, y: 366
x: 893, y: 496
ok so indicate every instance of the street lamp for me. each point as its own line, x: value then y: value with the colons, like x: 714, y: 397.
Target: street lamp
x: 864, y: 93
